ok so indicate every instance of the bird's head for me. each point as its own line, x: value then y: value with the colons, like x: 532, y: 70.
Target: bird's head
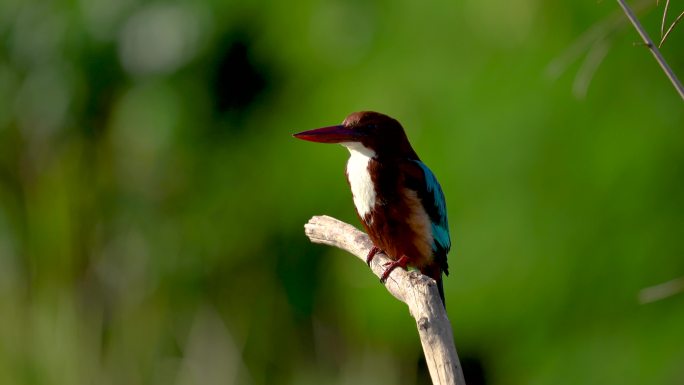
x: 368, y: 132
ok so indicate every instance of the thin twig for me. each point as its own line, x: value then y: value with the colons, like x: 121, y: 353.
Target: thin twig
x: 662, y: 24
x: 598, y: 31
x: 592, y: 42
x: 654, y: 50
x: 662, y: 40
x: 589, y: 66
x: 416, y: 290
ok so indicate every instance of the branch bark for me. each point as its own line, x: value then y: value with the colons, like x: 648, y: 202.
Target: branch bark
x: 416, y: 290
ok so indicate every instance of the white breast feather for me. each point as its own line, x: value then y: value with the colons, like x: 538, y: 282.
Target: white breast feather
x: 360, y: 180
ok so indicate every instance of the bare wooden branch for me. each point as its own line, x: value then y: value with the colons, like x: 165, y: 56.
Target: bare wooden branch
x: 416, y: 290
x: 651, y: 46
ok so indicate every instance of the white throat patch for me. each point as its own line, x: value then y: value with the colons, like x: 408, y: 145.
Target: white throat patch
x: 360, y: 180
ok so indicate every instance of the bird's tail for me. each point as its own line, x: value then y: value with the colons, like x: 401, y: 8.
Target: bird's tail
x: 440, y: 287
x: 435, y: 272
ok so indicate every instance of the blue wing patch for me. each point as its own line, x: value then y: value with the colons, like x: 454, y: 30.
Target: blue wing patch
x: 435, y: 205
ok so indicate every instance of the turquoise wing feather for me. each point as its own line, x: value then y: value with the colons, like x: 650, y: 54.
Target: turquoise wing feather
x: 435, y: 205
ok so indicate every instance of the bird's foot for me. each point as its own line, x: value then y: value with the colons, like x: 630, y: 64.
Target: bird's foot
x: 389, y: 266
x: 374, y: 250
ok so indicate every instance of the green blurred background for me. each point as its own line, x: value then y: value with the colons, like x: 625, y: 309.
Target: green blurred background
x: 152, y: 200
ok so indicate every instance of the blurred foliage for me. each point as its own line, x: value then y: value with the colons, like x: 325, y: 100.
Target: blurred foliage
x: 152, y: 198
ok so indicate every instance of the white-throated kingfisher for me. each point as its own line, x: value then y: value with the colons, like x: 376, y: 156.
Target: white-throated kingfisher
x: 398, y: 199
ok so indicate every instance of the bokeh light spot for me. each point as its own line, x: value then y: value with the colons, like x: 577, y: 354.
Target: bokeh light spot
x: 159, y: 39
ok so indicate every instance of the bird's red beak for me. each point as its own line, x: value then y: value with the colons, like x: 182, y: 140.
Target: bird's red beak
x: 332, y: 134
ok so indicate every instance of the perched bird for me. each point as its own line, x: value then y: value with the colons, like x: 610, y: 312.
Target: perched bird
x: 398, y: 199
